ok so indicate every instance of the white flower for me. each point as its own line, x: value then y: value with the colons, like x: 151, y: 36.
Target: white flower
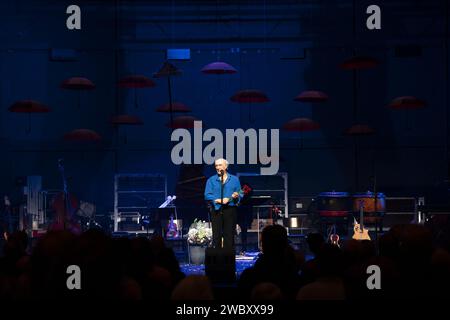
x: 199, y: 233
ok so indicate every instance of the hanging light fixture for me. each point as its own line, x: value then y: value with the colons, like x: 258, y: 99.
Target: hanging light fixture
x: 167, y: 70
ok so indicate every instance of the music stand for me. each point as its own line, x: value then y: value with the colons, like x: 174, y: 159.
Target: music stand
x: 259, y: 202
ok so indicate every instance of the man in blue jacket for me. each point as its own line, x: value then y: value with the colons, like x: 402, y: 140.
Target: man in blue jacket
x: 223, y: 191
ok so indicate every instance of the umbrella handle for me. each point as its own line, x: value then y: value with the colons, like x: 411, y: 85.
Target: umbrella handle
x: 29, y: 124
x: 136, y: 104
x: 250, y: 120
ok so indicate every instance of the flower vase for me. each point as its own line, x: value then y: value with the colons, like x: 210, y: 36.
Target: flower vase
x: 197, y: 254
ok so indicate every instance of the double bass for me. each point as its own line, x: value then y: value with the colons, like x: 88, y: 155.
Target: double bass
x: 65, y: 206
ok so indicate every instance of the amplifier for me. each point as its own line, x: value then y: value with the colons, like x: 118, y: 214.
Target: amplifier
x: 399, y: 210
x: 399, y: 205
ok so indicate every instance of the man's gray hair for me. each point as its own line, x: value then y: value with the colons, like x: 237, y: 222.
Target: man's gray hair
x: 222, y: 160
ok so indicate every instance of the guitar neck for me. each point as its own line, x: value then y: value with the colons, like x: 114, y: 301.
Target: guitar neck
x: 361, y: 217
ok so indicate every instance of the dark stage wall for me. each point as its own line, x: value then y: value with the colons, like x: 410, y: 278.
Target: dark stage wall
x: 279, y: 47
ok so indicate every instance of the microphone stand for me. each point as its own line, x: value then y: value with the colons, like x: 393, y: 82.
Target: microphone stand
x: 221, y: 192
x: 221, y: 203
x: 65, y: 192
x: 377, y: 221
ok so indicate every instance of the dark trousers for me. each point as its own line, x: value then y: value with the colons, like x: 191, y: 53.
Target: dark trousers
x: 224, y: 225
x: 244, y: 219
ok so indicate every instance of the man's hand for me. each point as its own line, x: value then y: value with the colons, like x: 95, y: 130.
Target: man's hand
x: 235, y: 195
x: 225, y: 200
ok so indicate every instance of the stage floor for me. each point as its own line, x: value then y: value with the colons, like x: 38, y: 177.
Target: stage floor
x: 242, y: 262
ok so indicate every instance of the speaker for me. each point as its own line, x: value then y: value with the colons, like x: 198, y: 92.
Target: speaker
x: 220, y: 265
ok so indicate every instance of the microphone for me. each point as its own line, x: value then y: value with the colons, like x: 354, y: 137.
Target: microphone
x: 221, y: 173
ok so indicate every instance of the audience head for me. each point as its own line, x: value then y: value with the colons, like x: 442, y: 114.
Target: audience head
x: 193, y: 287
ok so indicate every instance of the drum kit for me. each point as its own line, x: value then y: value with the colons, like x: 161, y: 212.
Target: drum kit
x: 334, y: 208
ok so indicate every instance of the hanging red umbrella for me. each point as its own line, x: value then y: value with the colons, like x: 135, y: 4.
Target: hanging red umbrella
x: 126, y: 119
x: 176, y: 107
x: 359, y: 62
x: 77, y: 83
x: 28, y: 106
x: 359, y: 130
x: 406, y: 103
x: 183, y: 122
x: 84, y: 135
x: 250, y: 96
x: 311, y: 96
x: 301, y: 125
x: 136, y: 81
x: 218, y: 67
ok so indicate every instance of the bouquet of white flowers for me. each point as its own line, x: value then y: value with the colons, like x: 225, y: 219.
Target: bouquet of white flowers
x: 199, y: 233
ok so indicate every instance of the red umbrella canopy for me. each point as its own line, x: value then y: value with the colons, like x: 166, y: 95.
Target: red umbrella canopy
x: 29, y: 106
x: 359, y: 130
x: 136, y: 81
x: 126, y: 119
x: 359, y: 62
x: 218, y: 67
x: 311, y: 96
x: 182, y: 122
x: 77, y: 83
x: 301, y: 125
x: 176, y: 107
x: 406, y: 102
x: 250, y: 96
x: 82, y: 135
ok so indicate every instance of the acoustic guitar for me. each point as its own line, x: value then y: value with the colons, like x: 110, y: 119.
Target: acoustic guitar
x: 359, y: 232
